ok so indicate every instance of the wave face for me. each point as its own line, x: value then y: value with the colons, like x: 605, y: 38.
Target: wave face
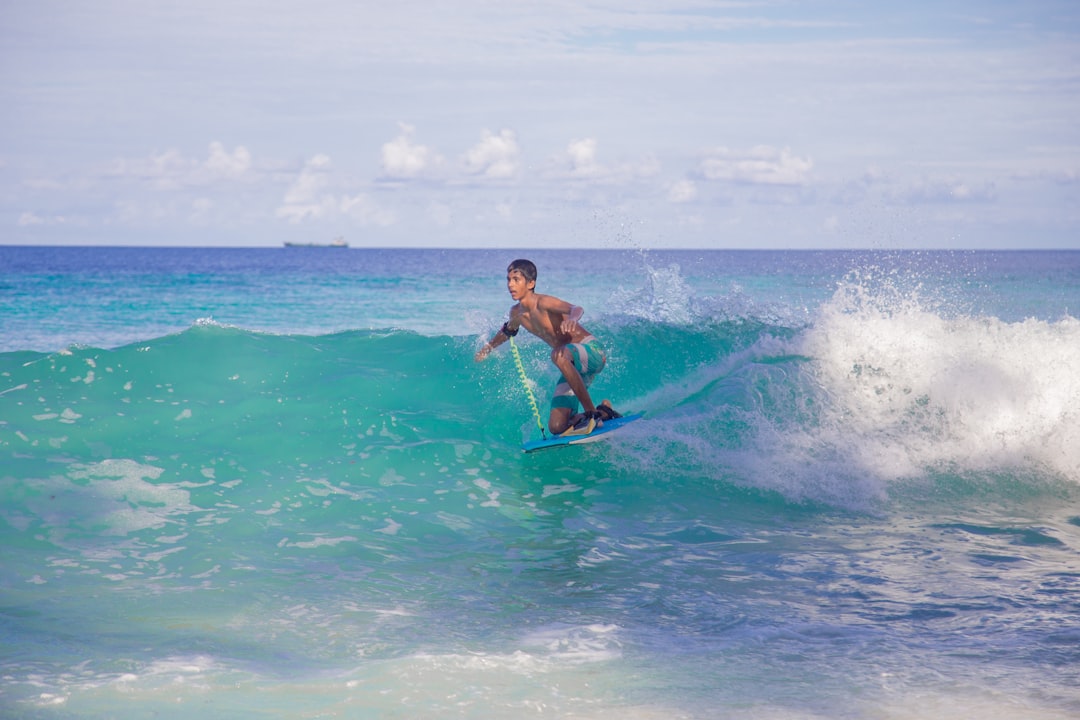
x: 876, y: 393
x: 870, y: 491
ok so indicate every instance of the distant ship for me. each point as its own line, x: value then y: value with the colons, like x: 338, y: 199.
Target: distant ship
x: 337, y: 243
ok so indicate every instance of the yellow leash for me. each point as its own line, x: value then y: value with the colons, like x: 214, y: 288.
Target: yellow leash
x: 528, y: 388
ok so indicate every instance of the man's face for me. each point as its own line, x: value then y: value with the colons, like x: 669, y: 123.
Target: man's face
x: 518, y: 285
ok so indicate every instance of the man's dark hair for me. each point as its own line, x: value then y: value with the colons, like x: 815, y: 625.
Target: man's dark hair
x: 525, y: 267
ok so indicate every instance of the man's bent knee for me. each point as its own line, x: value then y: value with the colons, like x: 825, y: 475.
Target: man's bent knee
x: 562, y: 359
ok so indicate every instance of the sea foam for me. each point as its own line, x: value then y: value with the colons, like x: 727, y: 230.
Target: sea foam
x: 906, y: 387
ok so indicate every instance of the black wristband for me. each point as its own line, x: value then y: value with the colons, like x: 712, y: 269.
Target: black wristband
x: 505, y: 330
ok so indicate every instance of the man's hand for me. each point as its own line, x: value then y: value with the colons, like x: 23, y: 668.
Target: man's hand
x: 569, y: 324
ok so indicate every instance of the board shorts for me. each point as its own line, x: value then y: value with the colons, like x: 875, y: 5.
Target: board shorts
x: 589, y: 359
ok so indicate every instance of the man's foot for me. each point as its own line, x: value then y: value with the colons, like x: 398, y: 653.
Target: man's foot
x: 606, y: 412
x: 589, y: 421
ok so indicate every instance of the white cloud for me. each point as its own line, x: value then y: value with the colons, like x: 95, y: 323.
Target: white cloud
x: 581, y: 155
x: 171, y: 169
x: 495, y: 157
x: 363, y: 209
x: 579, y: 162
x: 402, y: 159
x: 1058, y: 176
x: 872, y: 174
x: 683, y: 191
x: 164, y: 170
x: 29, y: 219
x: 760, y: 165
x: 306, y: 197
x: 228, y: 165
x: 310, y: 197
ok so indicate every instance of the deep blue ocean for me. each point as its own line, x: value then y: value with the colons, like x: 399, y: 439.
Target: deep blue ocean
x: 273, y: 483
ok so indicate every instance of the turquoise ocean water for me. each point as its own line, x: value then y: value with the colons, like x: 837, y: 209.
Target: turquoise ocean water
x: 273, y: 483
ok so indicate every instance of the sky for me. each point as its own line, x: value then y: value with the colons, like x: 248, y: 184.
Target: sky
x: 529, y: 123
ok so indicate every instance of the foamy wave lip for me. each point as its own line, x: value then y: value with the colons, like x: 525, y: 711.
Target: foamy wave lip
x: 210, y: 322
x: 884, y: 386
x: 664, y: 298
x: 907, y: 389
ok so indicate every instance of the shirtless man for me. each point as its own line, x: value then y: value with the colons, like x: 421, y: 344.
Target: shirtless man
x: 574, y: 351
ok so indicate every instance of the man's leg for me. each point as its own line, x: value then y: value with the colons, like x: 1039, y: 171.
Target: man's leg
x: 562, y: 416
x: 564, y: 360
x: 561, y: 420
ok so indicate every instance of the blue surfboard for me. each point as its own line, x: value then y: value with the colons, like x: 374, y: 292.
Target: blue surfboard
x: 600, y: 433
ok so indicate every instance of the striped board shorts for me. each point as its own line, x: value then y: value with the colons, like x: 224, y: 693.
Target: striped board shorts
x: 588, y: 357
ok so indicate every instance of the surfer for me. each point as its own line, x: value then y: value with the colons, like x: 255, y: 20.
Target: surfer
x: 574, y: 350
